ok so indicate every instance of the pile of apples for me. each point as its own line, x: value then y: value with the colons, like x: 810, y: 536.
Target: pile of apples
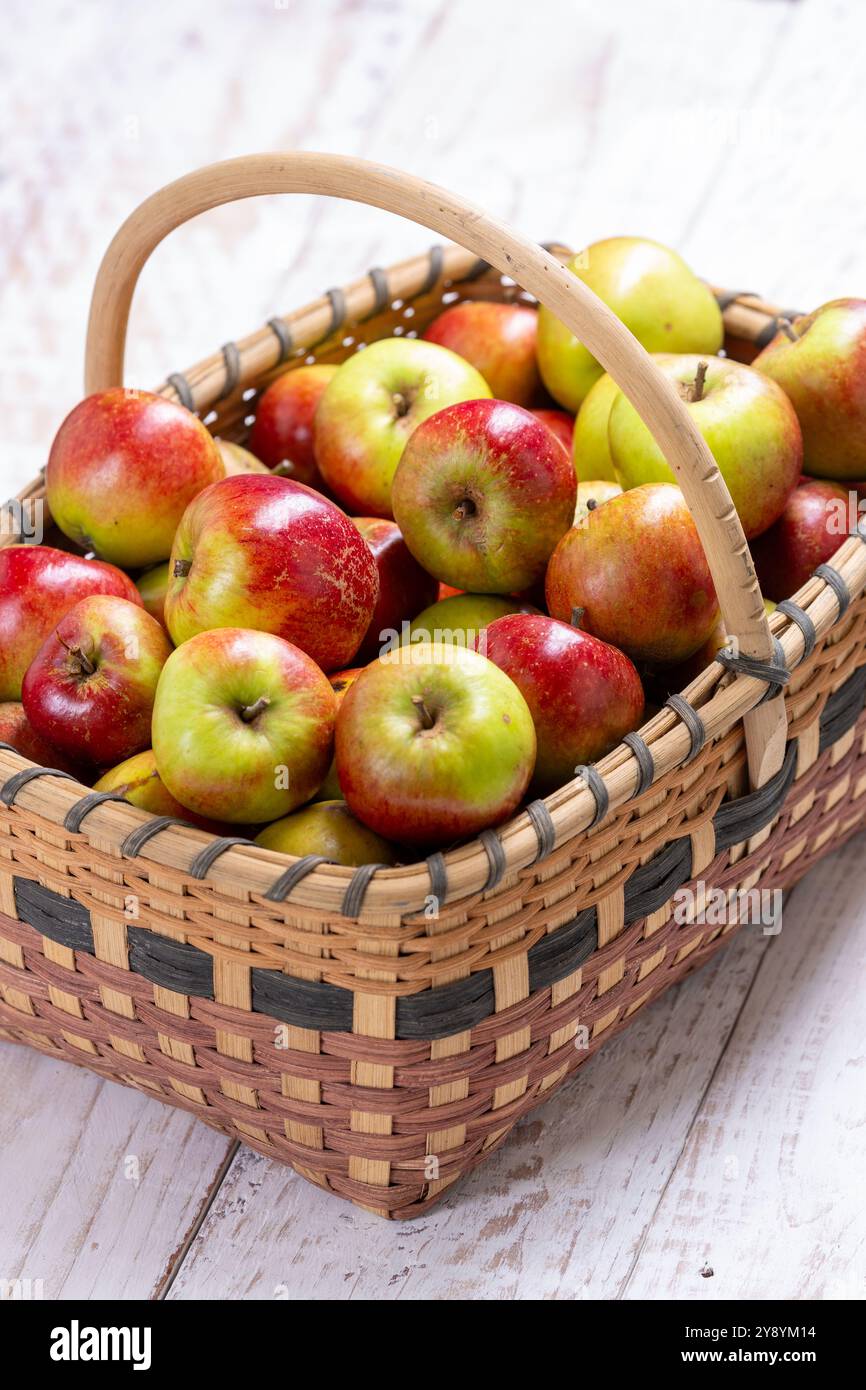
x: 441, y: 576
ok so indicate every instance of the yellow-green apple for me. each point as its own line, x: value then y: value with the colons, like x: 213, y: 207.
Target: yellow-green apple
x: 590, y: 448
x: 17, y: 731
x: 404, y: 587
x: 243, y: 725
x: 90, y: 688
x: 38, y: 584
x: 482, y: 494
x: 820, y: 362
x: 340, y: 682
x: 498, y: 339
x: 434, y: 743
x: 123, y: 467
x: 807, y: 534
x: 592, y: 493
x: 282, y: 432
x: 370, y: 409
x: 237, y: 459
x: 152, y: 586
x: 272, y: 554
x: 328, y: 828
x: 462, y: 619
x: 652, y: 290
x: 747, y: 421
x: 560, y: 423
x: 583, y: 695
x: 637, y: 568
x: 137, y: 779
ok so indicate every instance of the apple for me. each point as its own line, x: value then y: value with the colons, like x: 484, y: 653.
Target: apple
x: 498, y: 339
x: 462, y: 619
x: 152, y: 586
x: 482, y: 494
x: 649, y: 287
x: 328, y: 828
x: 404, y: 587
x: 122, y: 469
x: 636, y: 567
x: 243, y: 725
x: 236, y: 459
x: 38, y: 584
x: 282, y: 432
x: 665, y: 680
x: 583, y: 695
x: 434, y: 743
x: 371, y: 407
x: 590, y: 448
x: 591, y: 494
x: 138, y: 780
x: 807, y: 534
x: 340, y: 682
x: 18, y: 732
x: 820, y: 362
x: 272, y: 554
x: 560, y: 423
x: 90, y: 688
x: 747, y: 421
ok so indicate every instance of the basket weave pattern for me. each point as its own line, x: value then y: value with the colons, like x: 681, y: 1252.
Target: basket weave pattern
x: 329, y: 1018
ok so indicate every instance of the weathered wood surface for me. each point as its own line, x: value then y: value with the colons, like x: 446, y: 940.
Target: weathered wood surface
x: 725, y: 1129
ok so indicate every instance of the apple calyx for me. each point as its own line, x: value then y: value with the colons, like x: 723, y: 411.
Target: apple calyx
x: 402, y: 403
x: 465, y: 508
x: 182, y: 568
x: 249, y: 713
x: 693, y: 391
x: 427, y: 719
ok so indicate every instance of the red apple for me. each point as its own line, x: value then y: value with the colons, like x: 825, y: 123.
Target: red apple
x: 369, y: 410
x: 637, y: 568
x: 820, y: 363
x: 91, y: 686
x: 498, y: 339
x: 138, y: 780
x: 404, y: 587
x: 153, y: 587
x: 560, y: 423
x: 282, y: 431
x: 243, y: 725
x: 272, y: 554
x: 17, y: 731
x: 38, y: 584
x: 482, y: 494
x: 583, y: 695
x: 807, y: 534
x: 122, y: 469
x: 434, y: 743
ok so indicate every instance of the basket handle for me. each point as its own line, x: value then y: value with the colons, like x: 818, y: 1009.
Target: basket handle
x: 654, y: 398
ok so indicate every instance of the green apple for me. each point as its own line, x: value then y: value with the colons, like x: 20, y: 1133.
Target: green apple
x: 330, y: 829
x: 652, y: 290
x: 592, y: 493
x: 462, y: 619
x: 747, y: 421
x: 590, y: 448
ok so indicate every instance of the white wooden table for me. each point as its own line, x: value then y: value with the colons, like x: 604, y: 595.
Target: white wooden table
x: 717, y: 1148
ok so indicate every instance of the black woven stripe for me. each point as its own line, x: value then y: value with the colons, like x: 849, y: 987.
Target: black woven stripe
x: 75, y: 815
x: 208, y: 856
x: 18, y: 780
x: 653, y: 883
x: 739, y: 820
x: 171, y: 964
x: 843, y: 709
x: 282, y: 887
x: 303, y: 1003
x: 563, y: 951
x: 448, y: 1009
x: 60, y: 919
x: 137, y: 839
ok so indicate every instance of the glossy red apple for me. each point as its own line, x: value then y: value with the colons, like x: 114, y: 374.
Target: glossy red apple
x: 498, y: 339
x: 243, y: 725
x: 17, y: 731
x: 636, y: 567
x: 272, y: 554
x: 560, y: 423
x: 282, y: 432
x: 583, y: 695
x: 122, y: 469
x: 404, y: 587
x: 38, y: 584
x: 482, y: 494
x: 807, y: 534
x: 90, y: 688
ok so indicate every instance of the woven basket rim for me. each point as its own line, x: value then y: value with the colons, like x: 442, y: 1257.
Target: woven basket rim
x: 721, y: 697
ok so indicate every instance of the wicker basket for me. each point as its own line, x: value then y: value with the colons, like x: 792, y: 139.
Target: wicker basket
x: 332, y: 1018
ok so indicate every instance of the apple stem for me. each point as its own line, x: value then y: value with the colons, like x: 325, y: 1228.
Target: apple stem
x: 401, y: 404
x: 577, y: 617
x: 464, y: 509
x: 251, y: 712
x: 79, y: 657
x: 695, y: 391
x: 427, y: 719
x: 788, y: 329
x: 182, y: 568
